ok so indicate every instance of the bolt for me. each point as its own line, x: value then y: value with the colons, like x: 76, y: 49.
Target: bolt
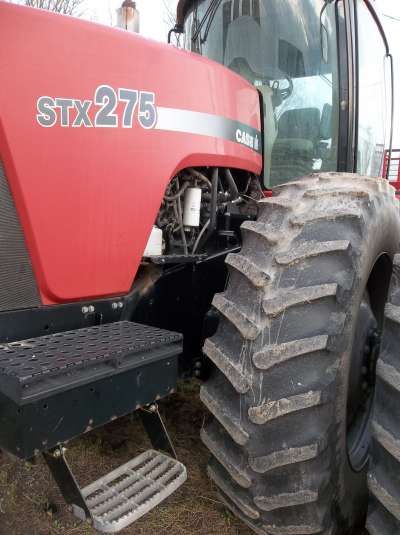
x: 153, y: 408
x: 85, y: 310
x: 91, y: 309
x: 114, y: 306
x: 121, y: 304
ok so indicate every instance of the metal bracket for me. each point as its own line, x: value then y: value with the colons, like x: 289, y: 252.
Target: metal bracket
x: 65, y: 479
x: 156, y: 429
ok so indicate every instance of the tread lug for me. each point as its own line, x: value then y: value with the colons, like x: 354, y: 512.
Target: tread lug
x: 286, y: 457
x: 218, y: 409
x: 389, y: 374
x: 289, y: 499
x: 281, y: 407
x: 298, y: 296
x: 262, y: 230
x: 238, y: 498
x: 392, y: 312
x: 277, y: 202
x: 327, y: 215
x: 386, y: 440
x: 391, y: 503
x: 245, y: 325
x: 309, y: 529
x: 225, y: 454
x: 311, y: 249
x: 277, y: 354
x: 250, y: 270
x: 233, y: 373
x: 356, y: 193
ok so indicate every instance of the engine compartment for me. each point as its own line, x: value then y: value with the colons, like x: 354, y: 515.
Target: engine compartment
x: 202, y: 209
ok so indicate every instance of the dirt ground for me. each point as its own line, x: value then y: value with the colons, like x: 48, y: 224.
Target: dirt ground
x: 30, y: 503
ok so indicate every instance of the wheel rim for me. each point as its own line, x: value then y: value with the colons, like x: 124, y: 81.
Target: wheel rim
x: 361, y: 386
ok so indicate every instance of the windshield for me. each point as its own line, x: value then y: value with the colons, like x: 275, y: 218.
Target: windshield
x: 288, y: 50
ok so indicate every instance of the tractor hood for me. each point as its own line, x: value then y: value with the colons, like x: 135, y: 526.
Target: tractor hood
x: 94, y: 123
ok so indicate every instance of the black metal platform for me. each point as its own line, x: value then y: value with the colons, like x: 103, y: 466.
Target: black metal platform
x: 54, y: 388
x: 36, y: 368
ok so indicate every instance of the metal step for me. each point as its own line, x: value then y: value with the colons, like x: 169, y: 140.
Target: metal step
x: 123, y: 496
x: 41, y: 367
x: 57, y: 387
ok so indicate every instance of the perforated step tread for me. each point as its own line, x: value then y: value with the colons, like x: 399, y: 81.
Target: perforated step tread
x: 120, y: 498
x: 36, y: 368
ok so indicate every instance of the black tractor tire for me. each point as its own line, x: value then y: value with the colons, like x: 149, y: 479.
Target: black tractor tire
x: 384, y: 473
x: 283, y: 349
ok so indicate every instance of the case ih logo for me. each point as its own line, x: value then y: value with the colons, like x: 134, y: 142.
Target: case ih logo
x: 67, y: 112
x: 247, y: 139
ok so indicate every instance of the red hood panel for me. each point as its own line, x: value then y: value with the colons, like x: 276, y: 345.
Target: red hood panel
x: 88, y: 184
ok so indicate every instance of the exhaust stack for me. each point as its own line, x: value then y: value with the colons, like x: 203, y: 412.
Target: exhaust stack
x: 128, y: 17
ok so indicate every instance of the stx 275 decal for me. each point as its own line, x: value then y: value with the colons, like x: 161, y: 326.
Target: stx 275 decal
x: 139, y: 108
x: 139, y: 105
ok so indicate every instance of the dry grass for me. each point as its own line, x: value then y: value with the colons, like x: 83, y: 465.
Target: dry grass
x: 30, y: 503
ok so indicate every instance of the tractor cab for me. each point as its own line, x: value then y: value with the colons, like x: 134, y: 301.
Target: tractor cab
x: 295, y: 53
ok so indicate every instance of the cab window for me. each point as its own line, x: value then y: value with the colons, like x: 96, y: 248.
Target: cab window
x: 373, y: 95
x: 288, y: 50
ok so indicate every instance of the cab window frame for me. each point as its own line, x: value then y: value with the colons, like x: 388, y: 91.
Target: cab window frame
x: 389, y: 89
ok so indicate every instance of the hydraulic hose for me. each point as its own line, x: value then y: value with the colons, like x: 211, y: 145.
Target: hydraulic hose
x: 232, y: 185
x: 214, y: 200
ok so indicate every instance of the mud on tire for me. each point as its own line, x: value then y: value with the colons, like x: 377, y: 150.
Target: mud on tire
x: 282, y: 353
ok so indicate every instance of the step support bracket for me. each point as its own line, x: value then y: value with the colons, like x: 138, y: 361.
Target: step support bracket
x: 156, y: 429
x: 65, y: 479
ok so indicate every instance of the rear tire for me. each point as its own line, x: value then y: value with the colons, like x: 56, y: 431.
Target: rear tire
x: 384, y: 474
x: 282, y: 354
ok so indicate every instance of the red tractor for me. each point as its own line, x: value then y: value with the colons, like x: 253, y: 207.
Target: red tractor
x: 214, y: 211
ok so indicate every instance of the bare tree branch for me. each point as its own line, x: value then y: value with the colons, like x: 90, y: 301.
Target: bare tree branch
x: 169, y: 16
x: 65, y: 7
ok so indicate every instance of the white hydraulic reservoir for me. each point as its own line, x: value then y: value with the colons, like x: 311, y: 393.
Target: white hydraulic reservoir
x: 191, y: 207
x: 155, y: 244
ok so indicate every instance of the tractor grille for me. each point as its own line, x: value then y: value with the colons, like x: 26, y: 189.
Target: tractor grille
x: 17, y: 283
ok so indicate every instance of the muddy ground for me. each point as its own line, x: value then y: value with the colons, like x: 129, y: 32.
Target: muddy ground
x: 30, y: 503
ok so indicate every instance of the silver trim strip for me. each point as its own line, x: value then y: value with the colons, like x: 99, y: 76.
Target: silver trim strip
x: 207, y: 124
